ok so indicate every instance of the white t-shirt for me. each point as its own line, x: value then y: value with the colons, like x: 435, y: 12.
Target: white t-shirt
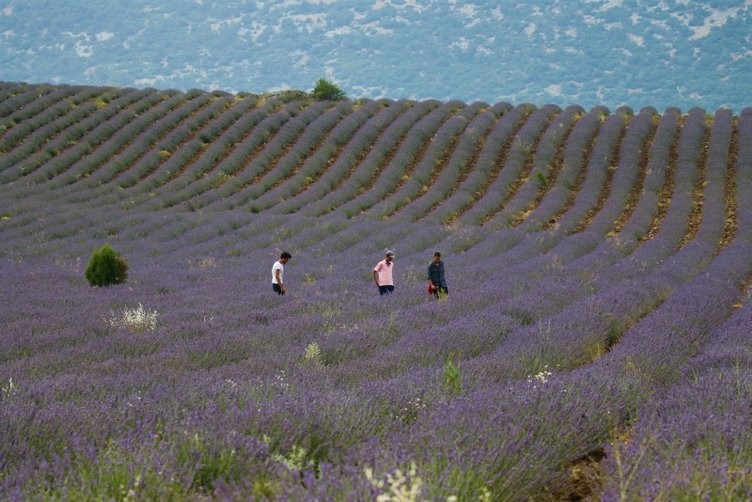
x: 277, y: 266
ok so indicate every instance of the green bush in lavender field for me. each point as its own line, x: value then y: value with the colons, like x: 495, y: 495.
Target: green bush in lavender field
x: 106, y: 267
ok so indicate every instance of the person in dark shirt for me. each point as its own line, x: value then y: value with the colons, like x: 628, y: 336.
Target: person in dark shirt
x: 436, y: 278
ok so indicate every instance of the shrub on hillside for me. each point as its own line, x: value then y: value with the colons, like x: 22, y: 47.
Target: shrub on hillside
x: 106, y: 267
x: 325, y: 90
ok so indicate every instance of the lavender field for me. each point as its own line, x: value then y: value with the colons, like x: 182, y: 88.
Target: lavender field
x: 595, y: 343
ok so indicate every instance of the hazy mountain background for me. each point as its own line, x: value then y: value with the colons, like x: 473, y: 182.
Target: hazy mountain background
x: 614, y: 52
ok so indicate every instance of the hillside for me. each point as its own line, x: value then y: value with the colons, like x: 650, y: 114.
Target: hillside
x: 593, y: 343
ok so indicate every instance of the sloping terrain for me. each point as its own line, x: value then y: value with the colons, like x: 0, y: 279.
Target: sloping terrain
x: 593, y: 342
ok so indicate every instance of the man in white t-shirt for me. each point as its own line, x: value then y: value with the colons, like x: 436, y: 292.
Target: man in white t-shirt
x: 278, y: 271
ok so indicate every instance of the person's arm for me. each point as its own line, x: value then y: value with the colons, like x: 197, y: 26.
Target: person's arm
x: 430, y: 279
x: 376, y: 277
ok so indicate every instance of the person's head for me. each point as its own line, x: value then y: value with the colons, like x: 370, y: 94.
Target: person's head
x: 437, y: 257
x: 284, y: 257
x: 389, y: 256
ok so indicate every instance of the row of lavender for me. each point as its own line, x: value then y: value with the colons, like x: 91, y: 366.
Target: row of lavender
x: 560, y: 338
x: 501, y: 183
x: 209, y: 150
x: 212, y: 348
x: 213, y: 151
x: 216, y: 326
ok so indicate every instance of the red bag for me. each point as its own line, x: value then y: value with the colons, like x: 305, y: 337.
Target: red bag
x: 431, y: 289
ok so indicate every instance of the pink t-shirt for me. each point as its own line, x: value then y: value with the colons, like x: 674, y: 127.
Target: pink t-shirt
x: 384, y: 272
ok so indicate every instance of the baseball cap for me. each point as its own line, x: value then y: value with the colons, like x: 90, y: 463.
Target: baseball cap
x: 390, y: 253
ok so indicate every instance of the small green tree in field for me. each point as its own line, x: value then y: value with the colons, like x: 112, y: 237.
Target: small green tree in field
x: 325, y: 90
x: 452, y: 379
x: 106, y: 267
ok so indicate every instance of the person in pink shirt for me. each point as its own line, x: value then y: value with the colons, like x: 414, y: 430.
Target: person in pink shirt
x: 382, y: 274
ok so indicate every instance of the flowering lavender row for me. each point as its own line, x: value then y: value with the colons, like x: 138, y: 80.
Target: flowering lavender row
x: 649, y: 210
x: 264, y: 123
x: 595, y: 211
x: 417, y: 175
x: 674, y: 226
x: 27, y: 134
x: 625, y: 172
x: 604, y: 154
x: 719, y: 170
x: 440, y: 184
x: 65, y: 167
x: 245, y: 114
x: 273, y: 149
x: 459, y: 167
x: 522, y: 146
x: 693, y: 259
x: 361, y: 175
x: 172, y: 154
x: 211, y: 168
x: 712, y: 220
x: 8, y: 90
x: 164, y: 146
x: 77, y: 163
x: 289, y: 161
x: 25, y: 108
x: 508, y: 238
x: 312, y: 165
x: 535, y: 180
x: 352, y: 154
x: 570, y: 174
x: 124, y: 147
x: 58, y: 132
x: 494, y: 144
x: 687, y: 421
x: 206, y: 172
x: 205, y: 146
x: 589, y: 250
x: 381, y: 182
x: 704, y: 416
x: 15, y: 96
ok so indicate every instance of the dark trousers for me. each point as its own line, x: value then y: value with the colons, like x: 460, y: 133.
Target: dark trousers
x: 277, y: 289
x: 385, y: 289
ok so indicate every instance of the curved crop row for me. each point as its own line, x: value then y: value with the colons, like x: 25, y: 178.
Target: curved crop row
x: 245, y: 141
x: 31, y: 134
x: 500, y: 187
x: 270, y: 150
x: 350, y: 155
x: 84, y: 137
x: 361, y: 175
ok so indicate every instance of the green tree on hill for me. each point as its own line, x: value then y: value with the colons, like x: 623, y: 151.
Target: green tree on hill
x: 326, y: 90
